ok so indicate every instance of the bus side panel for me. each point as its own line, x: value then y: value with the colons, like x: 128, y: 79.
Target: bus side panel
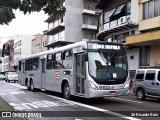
x: 21, y: 75
x: 49, y: 80
x: 37, y: 78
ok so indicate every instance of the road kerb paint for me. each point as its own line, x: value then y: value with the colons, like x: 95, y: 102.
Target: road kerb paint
x: 96, y: 108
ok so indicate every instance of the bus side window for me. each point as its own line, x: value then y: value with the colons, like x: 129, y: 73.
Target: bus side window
x: 67, y: 59
x: 26, y: 65
x: 19, y: 66
x: 50, y: 58
x: 30, y: 64
x: 35, y: 63
x: 57, y: 64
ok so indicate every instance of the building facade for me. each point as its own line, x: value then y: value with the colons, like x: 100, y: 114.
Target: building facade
x: 8, y: 56
x: 22, y: 47
x: 39, y: 43
x: 118, y: 20
x: 2, y: 65
x: 78, y: 23
x: 148, y: 41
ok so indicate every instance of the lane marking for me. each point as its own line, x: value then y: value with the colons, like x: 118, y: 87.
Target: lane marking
x: 17, y: 85
x: 13, y: 93
x: 40, y: 104
x: 126, y: 100
x: 2, y: 93
x: 96, y: 108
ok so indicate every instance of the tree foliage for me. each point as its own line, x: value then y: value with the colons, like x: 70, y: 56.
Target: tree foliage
x: 50, y: 7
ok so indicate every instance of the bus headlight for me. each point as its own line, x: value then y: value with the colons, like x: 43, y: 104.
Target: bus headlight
x: 93, y: 86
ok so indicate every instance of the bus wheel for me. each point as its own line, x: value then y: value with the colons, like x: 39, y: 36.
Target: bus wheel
x: 66, y: 91
x: 32, y: 86
x: 140, y: 94
x: 28, y: 86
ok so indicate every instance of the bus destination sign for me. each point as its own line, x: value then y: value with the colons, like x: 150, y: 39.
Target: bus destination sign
x: 103, y: 46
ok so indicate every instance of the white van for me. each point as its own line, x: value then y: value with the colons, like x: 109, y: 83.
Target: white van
x: 147, y: 83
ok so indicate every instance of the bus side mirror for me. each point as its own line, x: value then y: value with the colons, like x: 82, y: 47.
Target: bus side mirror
x: 85, y: 57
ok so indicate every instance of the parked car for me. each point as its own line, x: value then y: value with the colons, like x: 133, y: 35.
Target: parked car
x: 147, y: 83
x: 2, y: 77
x: 11, y: 76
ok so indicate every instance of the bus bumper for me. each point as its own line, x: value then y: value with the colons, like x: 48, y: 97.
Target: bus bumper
x: 107, y: 93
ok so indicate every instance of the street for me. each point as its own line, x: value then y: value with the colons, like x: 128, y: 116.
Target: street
x: 49, y: 105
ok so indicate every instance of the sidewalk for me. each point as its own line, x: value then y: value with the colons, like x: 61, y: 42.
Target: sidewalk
x: 5, y: 107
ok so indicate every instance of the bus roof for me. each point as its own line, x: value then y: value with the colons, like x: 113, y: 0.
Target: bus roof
x: 77, y: 44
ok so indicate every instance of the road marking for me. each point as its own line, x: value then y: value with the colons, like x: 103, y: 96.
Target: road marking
x: 41, y: 104
x: 78, y: 119
x: 17, y: 85
x: 13, y: 93
x: 126, y: 100
x: 2, y: 93
x: 96, y: 108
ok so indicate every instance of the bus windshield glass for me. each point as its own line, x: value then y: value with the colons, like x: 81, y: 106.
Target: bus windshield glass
x: 108, y: 66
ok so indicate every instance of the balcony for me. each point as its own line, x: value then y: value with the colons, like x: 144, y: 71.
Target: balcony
x: 89, y: 27
x: 55, y: 30
x: 118, y: 25
x: 144, y: 39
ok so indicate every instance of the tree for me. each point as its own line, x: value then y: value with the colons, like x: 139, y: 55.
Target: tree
x: 50, y: 7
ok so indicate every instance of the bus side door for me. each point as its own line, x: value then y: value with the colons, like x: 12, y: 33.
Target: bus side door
x: 80, y: 74
x: 42, y: 74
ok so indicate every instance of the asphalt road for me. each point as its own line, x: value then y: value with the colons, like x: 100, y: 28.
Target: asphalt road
x: 50, y: 106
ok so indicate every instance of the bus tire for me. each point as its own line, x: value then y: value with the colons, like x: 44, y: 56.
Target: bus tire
x: 140, y: 94
x: 32, y: 86
x: 28, y: 86
x: 66, y: 91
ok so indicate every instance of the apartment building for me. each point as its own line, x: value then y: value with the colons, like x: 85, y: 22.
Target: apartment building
x: 39, y: 43
x: 119, y: 19
x: 2, y: 65
x: 7, y: 54
x: 148, y: 41
x: 78, y: 23
x: 22, y: 47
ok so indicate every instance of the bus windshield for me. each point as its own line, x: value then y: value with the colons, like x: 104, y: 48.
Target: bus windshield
x: 108, y: 67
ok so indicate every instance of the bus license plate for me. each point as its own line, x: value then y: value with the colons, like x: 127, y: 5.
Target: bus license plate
x: 112, y: 93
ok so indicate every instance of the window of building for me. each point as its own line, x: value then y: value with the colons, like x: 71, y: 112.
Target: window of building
x: 151, y: 9
x: 128, y: 8
x: 145, y: 56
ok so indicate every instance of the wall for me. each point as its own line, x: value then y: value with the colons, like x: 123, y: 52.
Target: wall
x: 39, y: 40
x: 133, y: 63
x: 26, y: 46
x: 147, y: 23
x: 155, y: 55
x: 73, y: 20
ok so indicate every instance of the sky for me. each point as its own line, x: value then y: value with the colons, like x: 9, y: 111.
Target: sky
x: 30, y: 24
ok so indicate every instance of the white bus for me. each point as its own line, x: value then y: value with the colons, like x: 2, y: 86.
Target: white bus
x: 85, y: 69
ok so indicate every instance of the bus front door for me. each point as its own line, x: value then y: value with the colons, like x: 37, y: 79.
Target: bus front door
x: 80, y: 74
x: 42, y: 73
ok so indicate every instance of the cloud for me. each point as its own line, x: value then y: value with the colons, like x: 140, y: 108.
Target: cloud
x: 31, y: 24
